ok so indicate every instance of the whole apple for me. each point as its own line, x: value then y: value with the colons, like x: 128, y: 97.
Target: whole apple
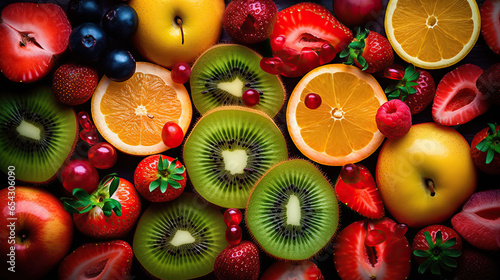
x: 35, y: 233
x: 173, y: 31
x: 426, y: 175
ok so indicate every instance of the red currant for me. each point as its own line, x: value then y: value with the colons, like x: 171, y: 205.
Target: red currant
x: 172, y: 135
x: 84, y: 120
x: 79, y: 174
x: 181, y: 72
x: 312, y: 100
x: 233, y: 235
x: 250, y: 97
x: 232, y: 216
x: 375, y: 237
x: 400, y: 230
x: 349, y: 173
x: 326, y: 54
x: 102, y: 155
x: 89, y: 132
x: 394, y: 72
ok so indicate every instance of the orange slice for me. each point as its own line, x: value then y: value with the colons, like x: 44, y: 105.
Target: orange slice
x: 432, y: 34
x: 130, y: 115
x: 343, y: 128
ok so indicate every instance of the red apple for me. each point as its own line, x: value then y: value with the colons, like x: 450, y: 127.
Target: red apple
x: 35, y: 233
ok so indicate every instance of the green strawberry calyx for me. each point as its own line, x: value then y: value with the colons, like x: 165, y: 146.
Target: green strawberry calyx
x: 490, y: 144
x: 84, y: 202
x: 405, y: 86
x: 355, y: 49
x: 439, y: 255
x: 168, y: 174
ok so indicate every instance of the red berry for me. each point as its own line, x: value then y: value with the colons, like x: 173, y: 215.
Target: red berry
x: 79, y: 174
x: 272, y: 65
x: 312, y: 100
x: 102, y: 155
x: 250, y: 97
x: 172, y: 135
x: 89, y: 132
x: 350, y: 173
x: 394, y: 72
x: 181, y: 72
x: 74, y: 84
x: 233, y: 235
x: 393, y: 119
x: 232, y: 216
x: 375, y: 237
x: 400, y: 230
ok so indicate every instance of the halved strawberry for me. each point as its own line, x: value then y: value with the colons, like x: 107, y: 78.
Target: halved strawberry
x: 98, y: 261
x: 31, y: 35
x: 359, y: 193
x: 372, y: 249
x: 490, y: 24
x: 457, y: 98
x: 285, y: 270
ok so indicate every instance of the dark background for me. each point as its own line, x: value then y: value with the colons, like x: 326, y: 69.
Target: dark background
x: 480, y: 55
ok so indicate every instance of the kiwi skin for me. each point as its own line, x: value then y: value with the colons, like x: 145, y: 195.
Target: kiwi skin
x: 328, y: 244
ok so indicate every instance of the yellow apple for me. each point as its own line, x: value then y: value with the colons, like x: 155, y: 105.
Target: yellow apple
x: 426, y: 175
x: 172, y: 31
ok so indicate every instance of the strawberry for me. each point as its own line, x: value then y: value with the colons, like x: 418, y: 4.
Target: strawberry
x: 457, y: 98
x: 490, y: 24
x: 489, y: 83
x: 393, y: 119
x: 356, y: 188
x: 160, y: 178
x: 435, y: 247
x: 369, y: 51
x: 109, y: 212
x: 74, y: 84
x: 284, y: 270
x: 32, y: 34
x: 485, y: 149
x: 238, y: 262
x: 98, y: 261
x: 474, y: 264
x: 372, y: 249
x: 416, y: 88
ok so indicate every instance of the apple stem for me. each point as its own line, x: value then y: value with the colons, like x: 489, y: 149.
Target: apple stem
x: 178, y: 20
x: 430, y: 184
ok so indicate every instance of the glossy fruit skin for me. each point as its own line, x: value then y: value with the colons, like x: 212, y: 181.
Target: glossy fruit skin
x: 428, y: 152
x: 172, y: 135
x: 250, y: 97
x: 118, y: 65
x: 232, y: 216
x: 233, y: 235
x: 377, y: 52
x: 393, y: 119
x: 147, y: 172
x: 479, y: 157
x: 120, y: 22
x: 48, y: 228
x: 249, y: 21
x: 304, y: 270
x: 181, y: 72
x: 419, y: 242
x: 312, y: 101
x: 489, y: 83
x: 357, y: 12
x: 79, y: 173
x: 426, y: 89
x: 74, y: 84
x: 88, y: 41
x: 238, y: 262
x: 80, y: 11
x: 102, y: 155
x: 490, y: 22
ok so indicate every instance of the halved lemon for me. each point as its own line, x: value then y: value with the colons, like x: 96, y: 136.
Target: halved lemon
x: 432, y: 34
x: 130, y: 115
x: 342, y: 129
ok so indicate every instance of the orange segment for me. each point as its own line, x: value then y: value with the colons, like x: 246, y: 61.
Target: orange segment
x: 130, y: 115
x: 432, y: 34
x: 343, y: 128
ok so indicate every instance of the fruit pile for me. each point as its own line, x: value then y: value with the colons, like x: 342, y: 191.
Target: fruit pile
x: 250, y: 139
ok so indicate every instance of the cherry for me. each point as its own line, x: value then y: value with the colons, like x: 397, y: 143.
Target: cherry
x: 250, y: 97
x: 232, y: 216
x: 181, y: 72
x: 394, y: 72
x: 79, y: 174
x: 375, y: 237
x: 172, y: 135
x: 312, y: 100
x: 233, y: 235
x: 102, y: 155
x: 350, y: 173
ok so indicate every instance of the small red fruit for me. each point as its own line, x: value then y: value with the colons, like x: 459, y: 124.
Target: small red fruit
x: 393, y: 119
x: 250, y: 97
x: 238, y: 262
x: 172, y: 135
x: 490, y: 24
x: 80, y: 174
x: 232, y: 216
x: 102, y: 155
x: 233, y: 234
x: 485, y: 149
x: 74, y: 84
x: 350, y: 175
x: 474, y: 264
x: 489, y: 82
x: 181, y: 72
x: 285, y: 270
x: 357, y: 12
x: 312, y: 100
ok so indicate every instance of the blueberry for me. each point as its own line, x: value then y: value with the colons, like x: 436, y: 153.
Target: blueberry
x: 80, y: 11
x: 120, y: 22
x: 88, y: 41
x: 118, y: 65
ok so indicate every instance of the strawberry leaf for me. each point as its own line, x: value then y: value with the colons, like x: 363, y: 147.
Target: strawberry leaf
x: 176, y: 177
x: 174, y: 184
x: 114, y: 186
x: 435, y: 268
x: 428, y: 238
x: 81, y: 194
x: 450, y: 242
x: 153, y: 185
x: 68, y: 207
x: 160, y: 165
x: 424, y: 266
x: 490, y: 155
x: 448, y: 262
x: 107, y: 209
x: 452, y: 253
x: 163, y: 186
x: 439, y: 238
x: 422, y: 253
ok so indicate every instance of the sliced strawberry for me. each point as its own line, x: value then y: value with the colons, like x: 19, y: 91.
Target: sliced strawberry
x: 96, y: 261
x: 490, y: 24
x: 479, y: 220
x: 358, y: 256
x: 361, y: 196
x: 31, y: 35
x: 284, y: 270
x: 457, y: 98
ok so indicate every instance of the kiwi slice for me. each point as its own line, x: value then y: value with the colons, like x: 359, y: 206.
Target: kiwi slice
x: 221, y: 75
x: 179, y: 239
x: 292, y: 212
x: 228, y: 150
x: 37, y: 134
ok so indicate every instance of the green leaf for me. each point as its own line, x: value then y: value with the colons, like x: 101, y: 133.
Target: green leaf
x: 344, y: 53
x: 107, y: 208
x: 450, y: 242
x: 350, y: 60
x: 452, y: 253
x: 394, y: 95
x: 75, y: 203
x: 179, y: 170
x: 107, y: 179
x: 424, y: 266
x: 490, y: 155
x: 81, y: 194
x: 422, y: 253
x: 439, y: 238
x: 449, y: 261
x: 68, y: 207
x: 414, y: 76
x: 390, y: 88
x: 176, y: 177
x: 174, y: 184
x: 163, y: 186
x: 493, y: 128
x: 404, y: 93
x: 435, y: 268
x: 160, y: 164
x: 153, y: 185
x: 115, y: 206
x: 428, y: 238
x: 357, y: 45
x: 483, y: 145
x: 410, y: 70
x: 114, y: 186
x: 362, y: 62
x: 411, y: 84
x: 412, y: 90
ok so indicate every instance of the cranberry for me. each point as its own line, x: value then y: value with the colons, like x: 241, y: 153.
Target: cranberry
x: 233, y: 235
x: 181, y: 72
x: 312, y: 100
x: 250, y: 97
x: 172, y: 135
x: 102, y: 155
x: 232, y: 216
x: 394, y: 72
x: 79, y: 174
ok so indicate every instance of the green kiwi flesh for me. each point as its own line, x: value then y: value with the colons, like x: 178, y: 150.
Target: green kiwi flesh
x: 228, y: 150
x: 37, y: 134
x: 292, y: 212
x: 221, y: 75
x: 179, y: 239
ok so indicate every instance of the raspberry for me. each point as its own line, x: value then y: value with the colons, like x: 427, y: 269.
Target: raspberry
x: 394, y: 119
